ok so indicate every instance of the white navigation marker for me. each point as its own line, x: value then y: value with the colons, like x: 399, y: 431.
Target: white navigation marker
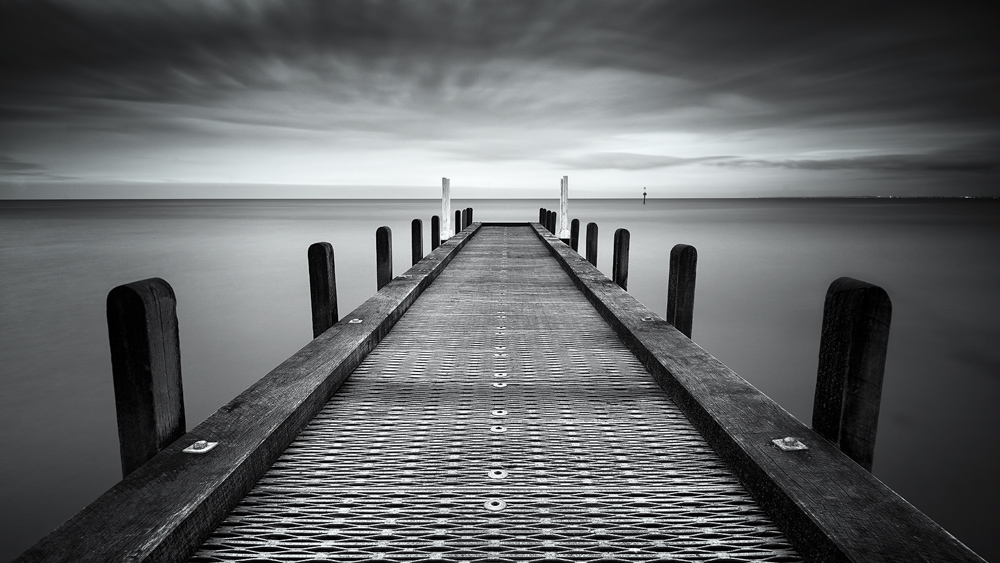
x: 564, y: 208
x: 445, y: 209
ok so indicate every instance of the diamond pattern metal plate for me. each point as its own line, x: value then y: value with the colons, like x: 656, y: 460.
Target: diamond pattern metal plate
x: 500, y: 420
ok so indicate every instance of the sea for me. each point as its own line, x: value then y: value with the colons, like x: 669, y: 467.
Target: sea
x: 239, y: 271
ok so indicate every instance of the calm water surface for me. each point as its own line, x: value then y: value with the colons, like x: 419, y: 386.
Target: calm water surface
x: 239, y: 272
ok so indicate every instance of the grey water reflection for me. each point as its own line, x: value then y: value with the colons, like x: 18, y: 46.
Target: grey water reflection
x: 239, y: 271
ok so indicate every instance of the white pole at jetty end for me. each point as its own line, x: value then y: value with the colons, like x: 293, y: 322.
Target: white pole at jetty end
x: 564, y: 208
x: 445, y: 209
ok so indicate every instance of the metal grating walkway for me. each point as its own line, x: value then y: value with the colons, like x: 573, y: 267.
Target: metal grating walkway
x: 500, y: 420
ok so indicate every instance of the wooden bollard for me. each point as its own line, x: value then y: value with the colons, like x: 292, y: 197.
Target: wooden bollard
x: 417, y: 240
x: 383, y: 256
x: 470, y: 216
x: 619, y: 261
x: 465, y: 218
x: 458, y: 221
x: 541, y: 216
x: 322, y: 287
x: 680, y: 287
x: 592, y: 243
x: 146, y: 367
x: 574, y: 235
x: 435, y: 232
x: 852, y: 352
x: 551, y: 224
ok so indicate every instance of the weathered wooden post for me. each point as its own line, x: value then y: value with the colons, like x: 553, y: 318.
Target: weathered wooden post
x: 680, y: 287
x: 592, y: 243
x: 542, y: 215
x: 574, y: 235
x: 417, y: 240
x: 563, y: 227
x: 852, y: 352
x: 551, y: 223
x: 322, y: 287
x: 458, y: 221
x: 465, y: 218
x: 471, y: 221
x: 446, y: 209
x: 435, y: 232
x: 619, y: 261
x: 146, y: 367
x: 383, y: 256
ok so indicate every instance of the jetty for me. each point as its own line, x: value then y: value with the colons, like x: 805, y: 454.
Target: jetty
x: 501, y: 400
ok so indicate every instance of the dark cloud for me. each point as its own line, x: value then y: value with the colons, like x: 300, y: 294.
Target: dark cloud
x: 19, y: 170
x: 880, y: 163
x: 979, y: 158
x: 10, y: 165
x: 843, y: 61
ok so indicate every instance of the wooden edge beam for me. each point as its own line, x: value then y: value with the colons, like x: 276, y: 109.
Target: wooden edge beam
x: 829, y: 507
x: 165, y: 509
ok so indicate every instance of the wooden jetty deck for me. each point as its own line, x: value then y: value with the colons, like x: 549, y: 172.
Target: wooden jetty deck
x: 521, y: 408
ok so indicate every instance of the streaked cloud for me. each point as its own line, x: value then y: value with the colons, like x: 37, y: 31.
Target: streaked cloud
x: 510, y: 91
x: 632, y: 161
x: 12, y: 165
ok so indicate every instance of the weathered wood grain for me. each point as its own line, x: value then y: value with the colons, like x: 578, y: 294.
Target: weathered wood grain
x: 146, y: 367
x: 680, y: 287
x: 471, y: 220
x: 166, y: 508
x: 853, y: 342
x: 830, y: 507
x: 322, y: 287
x: 574, y: 235
x: 383, y: 257
x: 435, y: 232
x: 458, y: 221
x: 619, y: 260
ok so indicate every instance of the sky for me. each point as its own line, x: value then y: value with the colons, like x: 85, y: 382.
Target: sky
x: 382, y: 99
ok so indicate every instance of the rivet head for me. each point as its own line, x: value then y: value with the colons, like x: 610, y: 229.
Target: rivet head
x: 494, y: 505
x: 354, y: 321
x: 498, y: 428
x: 500, y: 374
x: 498, y: 412
x: 499, y: 384
x: 497, y: 474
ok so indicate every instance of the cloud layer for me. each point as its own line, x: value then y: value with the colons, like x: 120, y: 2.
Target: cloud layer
x: 320, y: 92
